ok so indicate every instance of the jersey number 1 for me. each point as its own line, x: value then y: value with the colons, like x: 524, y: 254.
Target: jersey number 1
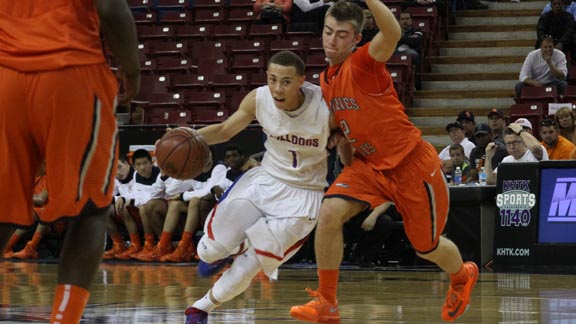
x: 294, y: 158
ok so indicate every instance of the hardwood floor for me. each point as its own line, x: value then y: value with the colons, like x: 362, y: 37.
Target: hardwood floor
x: 157, y: 293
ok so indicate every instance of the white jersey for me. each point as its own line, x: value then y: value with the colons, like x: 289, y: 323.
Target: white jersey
x: 296, y: 144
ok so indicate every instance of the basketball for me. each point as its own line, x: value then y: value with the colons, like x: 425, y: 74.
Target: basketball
x: 182, y: 154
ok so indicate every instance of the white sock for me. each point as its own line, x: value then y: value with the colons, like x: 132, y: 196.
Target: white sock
x: 205, y: 303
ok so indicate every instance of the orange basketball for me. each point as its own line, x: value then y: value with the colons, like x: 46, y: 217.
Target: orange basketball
x: 182, y: 154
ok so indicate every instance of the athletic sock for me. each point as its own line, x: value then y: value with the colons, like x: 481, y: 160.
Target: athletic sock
x: 69, y: 304
x: 328, y: 281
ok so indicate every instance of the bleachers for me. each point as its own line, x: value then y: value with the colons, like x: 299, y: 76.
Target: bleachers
x: 199, y: 46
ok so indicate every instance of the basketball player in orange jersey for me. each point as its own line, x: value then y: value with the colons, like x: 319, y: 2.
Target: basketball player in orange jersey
x: 58, y: 101
x: 391, y: 161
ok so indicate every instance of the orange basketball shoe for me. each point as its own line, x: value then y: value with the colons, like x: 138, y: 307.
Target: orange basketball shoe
x: 458, y: 298
x: 180, y: 254
x: 117, y: 248
x: 148, y: 249
x: 318, y: 310
x: 134, y: 248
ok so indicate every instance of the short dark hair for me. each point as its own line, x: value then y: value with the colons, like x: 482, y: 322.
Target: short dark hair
x: 234, y: 147
x: 287, y: 58
x: 405, y: 11
x: 348, y: 11
x: 456, y: 147
x: 141, y: 153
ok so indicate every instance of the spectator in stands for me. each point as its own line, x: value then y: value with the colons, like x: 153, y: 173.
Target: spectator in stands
x: 370, y: 29
x: 456, y: 133
x: 273, y: 11
x: 557, y: 25
x: 411, y: 43
x: 558, y: 147
x: 527, y: 127
x: 544, y: 67
x: 466, y: 118
x: 459, y: 159
x: 566, y: 122
x: 521, y: 145
x: 497, y: 124
x: 308, y: 15
x: 483, y: 136
x: 569, y: 7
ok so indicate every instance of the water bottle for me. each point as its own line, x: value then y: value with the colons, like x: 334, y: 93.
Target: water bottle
x: 482, y: 177
x: 457, y: 177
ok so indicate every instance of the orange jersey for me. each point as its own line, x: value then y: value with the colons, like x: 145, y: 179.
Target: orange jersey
x: 49, y: 35
x: 361, y: 95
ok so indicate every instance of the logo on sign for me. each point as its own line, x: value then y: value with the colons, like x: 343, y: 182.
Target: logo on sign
x: 563, y: 203
x: 515, y: 203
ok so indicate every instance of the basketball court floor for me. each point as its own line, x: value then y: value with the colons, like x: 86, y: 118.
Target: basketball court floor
x: 159, y: 293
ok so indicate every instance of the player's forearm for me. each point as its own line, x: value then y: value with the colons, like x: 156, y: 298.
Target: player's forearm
x: 119, y: 31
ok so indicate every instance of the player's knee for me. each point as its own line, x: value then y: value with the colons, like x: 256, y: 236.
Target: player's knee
x: 210, y: 251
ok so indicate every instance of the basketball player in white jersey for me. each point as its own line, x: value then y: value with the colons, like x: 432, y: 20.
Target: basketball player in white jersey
x: 274, y: 207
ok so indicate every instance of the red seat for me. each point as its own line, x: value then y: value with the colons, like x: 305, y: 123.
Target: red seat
x: 197, y: 82
x: 208, y: 15
x: 569, y: 94
x: 139, y: 4
x: 168, y: 115
x: 268, y: 31
x: 235, y: 31
x: 206, y: 50
x: 211, y: 66
x: 215, y: 99
x: 209, y: 115
x: 295, y: 45
x: 174, y: 17
x: 208, y: 3
x: 234, y: 100
x: 144, y: 17
x: 313, y: 77
x: 258, y: 80
x: 228, y: 82
x: 149, y: 32
x: 168, y: 64
x: 431, y: 14
x: 193, y: 32
x: 235, y: 47
x: 240, y: 14
x: 160, y: 48
x: 396, y: 9
x: 316, y: 62
x: 171, y: 4
x: 249, y: 63
x: 315, y: 46
x: 531, y: 94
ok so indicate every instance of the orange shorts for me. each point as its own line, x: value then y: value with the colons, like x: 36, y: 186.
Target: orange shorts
x: 67, y: 118
x: 417, y: 187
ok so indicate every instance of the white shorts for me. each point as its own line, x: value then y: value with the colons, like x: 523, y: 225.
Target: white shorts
x: 275, y: 217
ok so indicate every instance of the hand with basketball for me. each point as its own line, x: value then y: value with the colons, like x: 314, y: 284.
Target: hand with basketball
x: 182, y: 153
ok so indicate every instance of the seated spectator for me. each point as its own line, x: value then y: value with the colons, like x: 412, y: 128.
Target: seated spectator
x: 527, y: 127
x: 273, y: 11
x: 544, y: 67
x: 569, y: 7
x: 459, y: 159
x: 370, y: 29
x: 558, y: 25
x: 411, y: 43
x: 558, y: 147
x: 308, y: 15
x: 497, y: 125
x: 456, y: 133
x: 466, y: 118
x: 483, y: 137
x: 566, y: 122
x: 522, y: 147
